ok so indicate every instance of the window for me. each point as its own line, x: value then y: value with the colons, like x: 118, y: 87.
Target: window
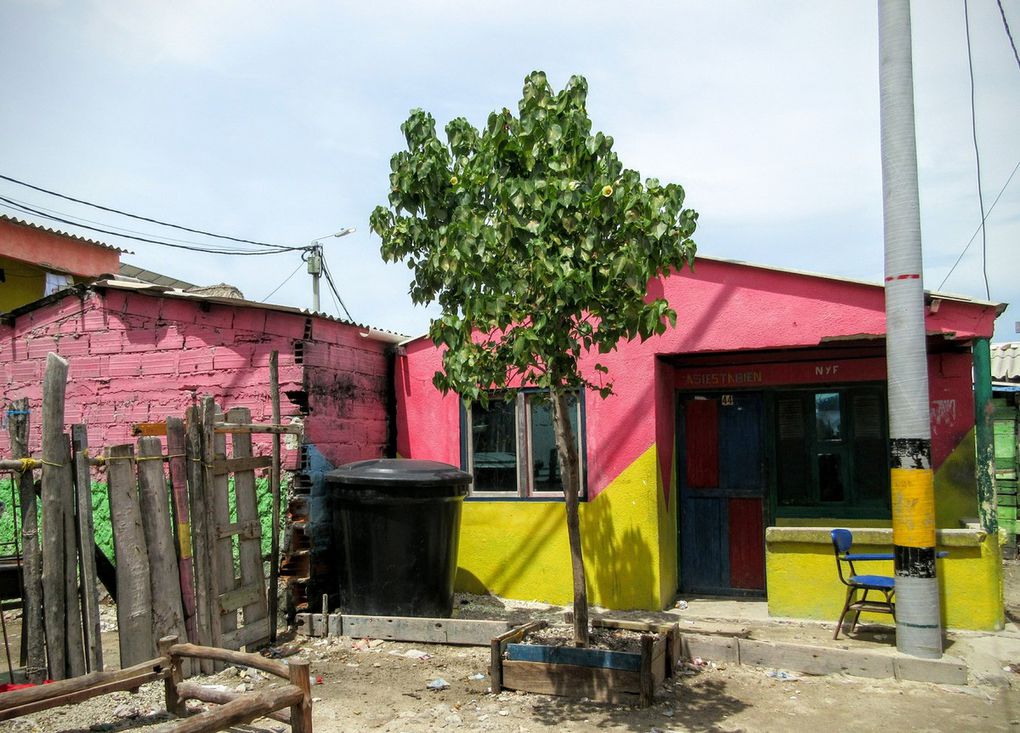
x: 831, y: 448
x: 510, y: 447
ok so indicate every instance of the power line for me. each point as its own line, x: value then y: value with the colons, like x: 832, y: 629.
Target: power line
x: 136, y: 216
x: 1009, y: 34
x: 980, y: 226
x: 977, y: 155
x: 286, y: 280
x: 28, y: 209
x: 332, y: 286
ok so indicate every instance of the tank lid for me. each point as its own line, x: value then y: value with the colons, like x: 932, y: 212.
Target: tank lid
x: 398, y: 472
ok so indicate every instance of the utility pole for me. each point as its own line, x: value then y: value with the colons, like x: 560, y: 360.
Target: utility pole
x: 313, y: 256
x: 918, y: 617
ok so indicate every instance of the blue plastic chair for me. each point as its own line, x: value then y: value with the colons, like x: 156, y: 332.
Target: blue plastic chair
x: 842, y: 540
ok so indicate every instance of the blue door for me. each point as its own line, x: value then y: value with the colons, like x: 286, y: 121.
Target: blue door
x: 722, y: 485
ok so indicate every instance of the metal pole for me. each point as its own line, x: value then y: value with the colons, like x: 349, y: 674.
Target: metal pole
x: 984, y: 433
x: 918, y: 617
x: 315, y: 270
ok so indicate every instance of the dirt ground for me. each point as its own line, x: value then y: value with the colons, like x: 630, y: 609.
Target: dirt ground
x: 384, y: 686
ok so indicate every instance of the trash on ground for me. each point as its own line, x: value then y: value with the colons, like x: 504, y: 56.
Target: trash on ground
x: 438, y: 684
x: 781, y: 674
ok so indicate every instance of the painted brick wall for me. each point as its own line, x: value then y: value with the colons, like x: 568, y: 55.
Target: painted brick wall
x: 136, y: 357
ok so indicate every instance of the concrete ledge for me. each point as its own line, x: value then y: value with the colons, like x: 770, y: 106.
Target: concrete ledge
x: 820, y: 660
x: 870, y: 536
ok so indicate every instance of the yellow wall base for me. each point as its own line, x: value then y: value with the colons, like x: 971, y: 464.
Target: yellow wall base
x: 802, y: 579
x: 518, y: 549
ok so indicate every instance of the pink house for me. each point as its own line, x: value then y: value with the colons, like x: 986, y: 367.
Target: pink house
x: 731, y: 441
x: 140, y: 353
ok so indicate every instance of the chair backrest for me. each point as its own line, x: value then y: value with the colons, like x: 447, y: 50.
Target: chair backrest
x: 842, y: 540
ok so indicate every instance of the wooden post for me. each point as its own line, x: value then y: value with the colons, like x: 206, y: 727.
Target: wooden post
x: 220, y: 550
x: 274, y: 487
x: 134, y: 595
x: 646, y: 680
x: 301, y: 714
x: 249, y: 549
x: 199, y: 533
x: 164, y: 580
x: 72, y: 595
x: 31, y: 566
x: 176, y: 453
x: 86, y: 537
x: 56, y: 483
x: 174, y: 703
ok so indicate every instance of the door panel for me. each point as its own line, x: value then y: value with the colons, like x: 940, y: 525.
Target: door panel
x: 722, y: 492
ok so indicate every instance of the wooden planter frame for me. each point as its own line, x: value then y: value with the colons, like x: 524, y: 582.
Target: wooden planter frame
x: 597, y: 674
x: 234, y: 708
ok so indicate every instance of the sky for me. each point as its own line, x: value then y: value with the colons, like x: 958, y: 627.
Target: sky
x: 276, y: 121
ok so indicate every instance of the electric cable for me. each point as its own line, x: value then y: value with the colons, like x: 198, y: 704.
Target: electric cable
x: 1009, y: 34
x: 332, y: 285
x: 977, y: 154
x: 974, y: 235
x: 27, y: 209
x: 135, y: 216
x: 286, y: 280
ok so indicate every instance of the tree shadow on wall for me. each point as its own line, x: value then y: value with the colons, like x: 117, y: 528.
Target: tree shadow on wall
x: 619, y: 566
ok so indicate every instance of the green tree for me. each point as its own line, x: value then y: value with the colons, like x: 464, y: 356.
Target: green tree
x: 538, y: 246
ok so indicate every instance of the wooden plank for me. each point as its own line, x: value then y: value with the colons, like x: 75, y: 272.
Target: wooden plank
x: 221, y: 550
x: 247, y: 635
x: 134, y: 607
x: 250, y: 550
x: 654, y: 627
x: 578, y: 656
x: 176, y: 448
x: 243, y: 530
x: 229, y: 465
x: 131, y: 683
x: 646, y: 681
x: 86, y: 540
x: 467, y: 632
x: 599, y: 684
x: 274, y: 488
x: 56, y: 479
x: 239, y: 428
x: 164, y: 577
x: 200, y: 546
x: 149, y: 429
x: 499, y: 644
x: 13, y: 704
x: 75, y: 638
x: 34, y: 643
x: 310, y: 624
x: 240, y: 597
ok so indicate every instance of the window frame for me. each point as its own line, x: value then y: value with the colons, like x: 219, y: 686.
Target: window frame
x: 523, y: 430
x: 855, y: 503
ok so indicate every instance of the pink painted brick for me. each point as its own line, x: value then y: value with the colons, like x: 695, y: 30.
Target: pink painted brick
x: 115, y: 300
x: 139, y: 340
x: 195, y: 361
x: 218, y: 316
x: 160, y: 362
x: 250, y: 319
x: 227, y: 358
x: 143, y: 305
x: 291, y: 325
x: 94, y: 320
x: 109, y: 342
x: 178, y: 311
x: 168, y: 338
x: 26, y: 370
x: 88, y: 367
x: 73, y: 346
x: 125, y: 365
x: 39, y: 346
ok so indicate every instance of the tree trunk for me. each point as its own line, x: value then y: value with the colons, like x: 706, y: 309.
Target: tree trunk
x: 566, y: 448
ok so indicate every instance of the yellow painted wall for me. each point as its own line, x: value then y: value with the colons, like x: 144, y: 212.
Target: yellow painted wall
x: 518, y: 549
x: 802, y: 580
x: 23, y: 284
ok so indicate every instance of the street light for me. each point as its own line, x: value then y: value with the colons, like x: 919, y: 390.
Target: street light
x: 313, y: 256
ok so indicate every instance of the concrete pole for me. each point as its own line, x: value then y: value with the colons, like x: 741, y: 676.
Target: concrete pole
x: 984, y: 433
x: 918, y: 618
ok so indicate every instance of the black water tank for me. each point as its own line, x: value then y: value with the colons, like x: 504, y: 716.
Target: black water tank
x: 396, y: 525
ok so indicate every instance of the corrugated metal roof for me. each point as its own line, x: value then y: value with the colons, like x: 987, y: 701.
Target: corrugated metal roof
x: 1006, y: 362
x: 83, y: 240
x: 153, y: 277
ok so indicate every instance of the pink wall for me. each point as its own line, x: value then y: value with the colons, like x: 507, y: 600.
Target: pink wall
x: 59, y: 252
x: 135, y: 357
x: 722, y: 307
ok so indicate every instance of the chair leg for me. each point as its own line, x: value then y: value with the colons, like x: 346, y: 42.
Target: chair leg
x: 850, y: 592
x: 857, y: 613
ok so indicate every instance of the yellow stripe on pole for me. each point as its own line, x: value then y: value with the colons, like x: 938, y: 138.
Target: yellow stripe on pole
x: 913, y: 507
